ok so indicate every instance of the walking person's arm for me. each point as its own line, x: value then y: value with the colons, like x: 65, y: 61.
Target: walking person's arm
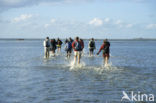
x: 89, y: 44
x: 73, y: 45
x: 44, y: 43
x: 100, y: 49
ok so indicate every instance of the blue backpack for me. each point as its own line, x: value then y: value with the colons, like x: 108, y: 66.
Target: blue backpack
x: 69, y: 46
x: 78, y: 46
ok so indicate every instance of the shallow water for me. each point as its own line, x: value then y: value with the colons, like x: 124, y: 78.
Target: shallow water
x: 26, y: 77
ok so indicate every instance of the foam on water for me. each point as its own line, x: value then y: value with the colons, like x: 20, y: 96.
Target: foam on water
x: 97, y: 69
x: 70, y: 64
x: 75, y: 66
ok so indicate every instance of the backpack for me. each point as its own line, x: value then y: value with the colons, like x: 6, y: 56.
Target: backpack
x: 106, y: 48
x: 47, y: 43
x: 53, y: 45
x: 91, y: 44
x: 69, y: 46
x: 78, y: 46
x: 59, y: 42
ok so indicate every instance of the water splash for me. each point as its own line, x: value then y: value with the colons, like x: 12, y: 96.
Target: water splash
x: 74, y: 65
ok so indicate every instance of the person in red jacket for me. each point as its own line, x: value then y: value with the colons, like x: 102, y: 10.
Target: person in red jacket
x: 77, y: 47
x: 105, y: 47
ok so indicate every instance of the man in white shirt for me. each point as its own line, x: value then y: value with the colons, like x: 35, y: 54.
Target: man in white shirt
x: 46, y: 45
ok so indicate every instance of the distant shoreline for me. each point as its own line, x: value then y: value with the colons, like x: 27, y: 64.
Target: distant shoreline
x: 30, y: 39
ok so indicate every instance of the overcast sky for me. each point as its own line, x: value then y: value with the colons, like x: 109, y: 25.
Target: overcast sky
x: 84, y: 18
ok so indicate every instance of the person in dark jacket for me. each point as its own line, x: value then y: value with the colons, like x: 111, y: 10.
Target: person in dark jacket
x: 91, y: 46
x: 68, y: 48
x: 53, y: 46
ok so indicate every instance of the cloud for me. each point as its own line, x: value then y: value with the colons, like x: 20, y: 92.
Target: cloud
x: 151, y: 26
x: 46, y: 25
x: 9, y: 4
x: 129, y: 25
x: 22, y: 17
x: 121, y: 24
x: 96, y: 22
x: 137, y: 1
x: 49, y: 24
x: 107, y: 19
x: 118, y: 22
x: 52, y: 20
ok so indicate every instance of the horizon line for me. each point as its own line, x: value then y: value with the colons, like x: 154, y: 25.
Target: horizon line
x: 83, y: 38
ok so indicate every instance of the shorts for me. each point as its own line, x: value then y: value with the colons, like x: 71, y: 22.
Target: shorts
x: 106, y: 55
x: 76, y: 53
x: 91, y: 49
x: 46, y: 49
x: 69, y: 50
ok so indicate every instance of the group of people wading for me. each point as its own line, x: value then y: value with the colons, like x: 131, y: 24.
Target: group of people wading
x: 77, y: 45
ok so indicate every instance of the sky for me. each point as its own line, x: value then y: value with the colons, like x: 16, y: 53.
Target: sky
x: 112, y: 19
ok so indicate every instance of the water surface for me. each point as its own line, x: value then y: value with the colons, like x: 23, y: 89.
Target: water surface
x: 26, y: 77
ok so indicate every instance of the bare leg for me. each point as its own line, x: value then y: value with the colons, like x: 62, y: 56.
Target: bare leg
x: 93, y: 52
x: 79, y: 57
x: 68, y: 54
x: 53, y: 53
x: 75, y: 57
x: 48, y: 52
x: 89, y: 53
x: 58, y: 50
x: 45, y: 52
x: 106, y: 60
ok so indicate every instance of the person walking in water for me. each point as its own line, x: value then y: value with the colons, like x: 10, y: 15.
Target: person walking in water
x: 59, y: 44
x: 46, y: 45
x: 91, y: 46
x: 53, y: 46
x: 71, y: 41
x: 77, y: 47
x: 105, y: 47
x: 68, y: 48
x: 82, y: 44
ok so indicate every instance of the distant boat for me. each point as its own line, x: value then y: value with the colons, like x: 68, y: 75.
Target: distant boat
x: 19, y: 39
